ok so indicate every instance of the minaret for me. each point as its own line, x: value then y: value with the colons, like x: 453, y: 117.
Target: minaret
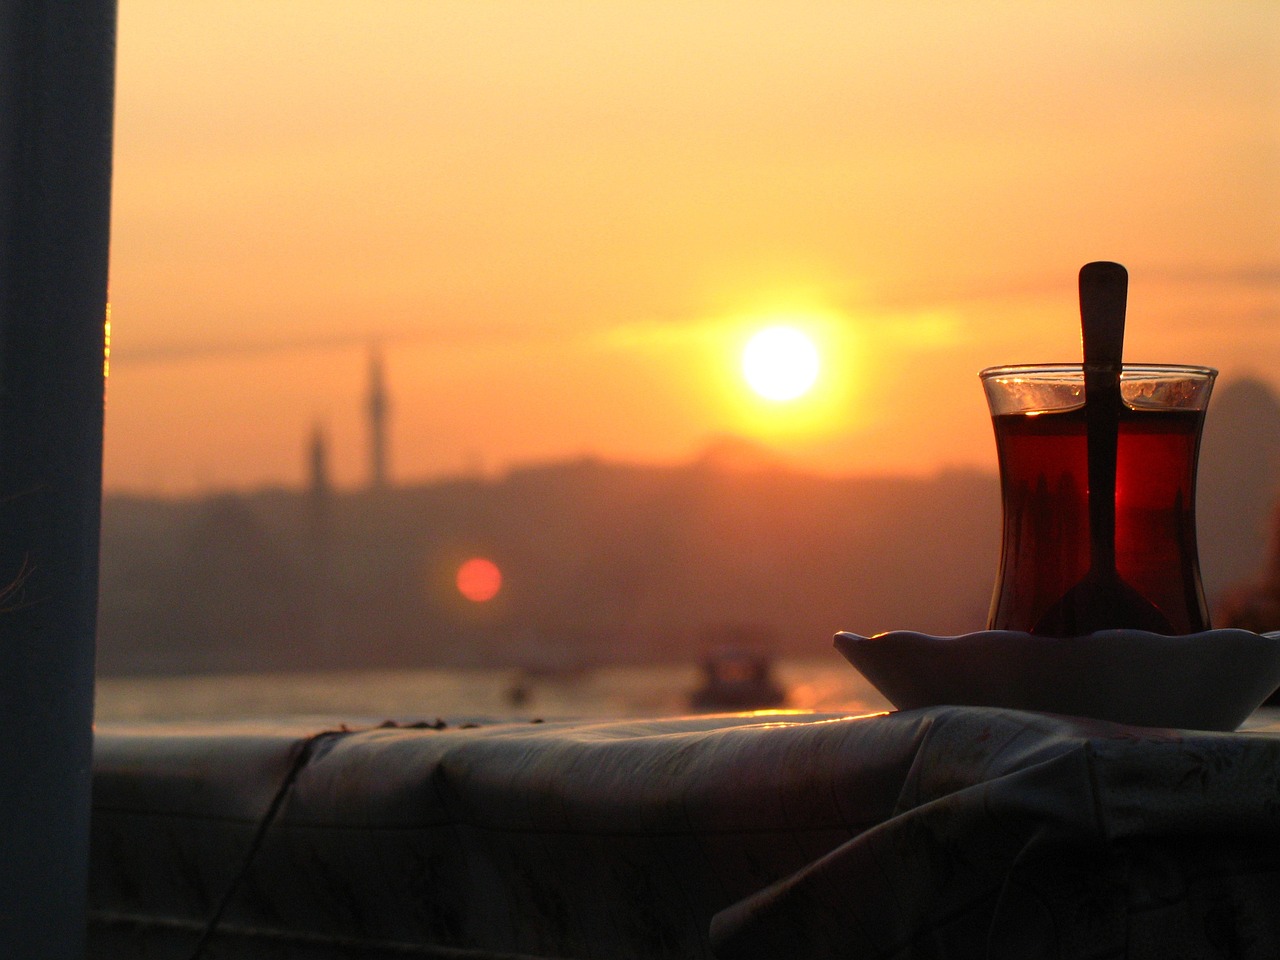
x: 377, y: 410
x: 318, y: 469
x: 314, y: 621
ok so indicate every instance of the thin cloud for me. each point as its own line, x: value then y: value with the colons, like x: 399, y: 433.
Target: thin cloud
x: 197, y: 350
x: 1263, y: 275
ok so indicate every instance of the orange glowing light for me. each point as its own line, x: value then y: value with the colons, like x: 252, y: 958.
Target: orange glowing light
x: 106, y: 344
x: 479, y: 579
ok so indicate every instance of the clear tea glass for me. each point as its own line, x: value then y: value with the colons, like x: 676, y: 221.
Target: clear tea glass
x: 1038, y: 411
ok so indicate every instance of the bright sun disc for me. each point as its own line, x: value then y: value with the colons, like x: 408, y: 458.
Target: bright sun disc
x: 780, y: 363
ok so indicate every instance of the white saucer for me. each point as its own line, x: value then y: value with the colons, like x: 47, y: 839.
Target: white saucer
x: 1204, y: 681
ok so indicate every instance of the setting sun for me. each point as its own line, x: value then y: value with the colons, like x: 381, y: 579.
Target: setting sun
x: 780, y: 363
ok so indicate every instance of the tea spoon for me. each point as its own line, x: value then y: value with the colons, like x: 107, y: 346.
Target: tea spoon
x: 1102, y: 600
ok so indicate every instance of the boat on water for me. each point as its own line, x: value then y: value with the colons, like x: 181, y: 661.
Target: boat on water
x: 737, y: 678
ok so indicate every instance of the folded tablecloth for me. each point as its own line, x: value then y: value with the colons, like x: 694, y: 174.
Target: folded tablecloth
x: 951, y: 832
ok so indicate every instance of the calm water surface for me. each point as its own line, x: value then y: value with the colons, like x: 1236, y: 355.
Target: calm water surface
x: 825, y: 685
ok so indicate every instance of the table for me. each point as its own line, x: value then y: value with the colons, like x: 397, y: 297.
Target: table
x: 939, y: 833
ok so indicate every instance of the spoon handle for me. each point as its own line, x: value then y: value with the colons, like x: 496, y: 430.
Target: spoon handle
x: 1104, y: 290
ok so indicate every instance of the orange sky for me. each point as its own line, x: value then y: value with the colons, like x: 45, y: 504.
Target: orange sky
x: 562, y: 221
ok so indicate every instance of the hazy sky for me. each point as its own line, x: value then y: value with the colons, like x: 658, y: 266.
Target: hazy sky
x: 562, y: 220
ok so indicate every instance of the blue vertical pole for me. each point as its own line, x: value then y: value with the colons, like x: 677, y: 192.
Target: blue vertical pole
x: 57, y: 64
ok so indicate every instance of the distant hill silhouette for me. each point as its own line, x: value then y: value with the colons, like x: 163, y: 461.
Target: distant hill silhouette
x: 728, y: 452
x: 601, y: 562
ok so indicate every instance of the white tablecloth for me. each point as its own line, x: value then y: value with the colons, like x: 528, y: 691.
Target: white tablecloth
x: 948, y: 832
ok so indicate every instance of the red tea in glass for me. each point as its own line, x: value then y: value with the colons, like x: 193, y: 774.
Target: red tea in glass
x: 1039, y: 419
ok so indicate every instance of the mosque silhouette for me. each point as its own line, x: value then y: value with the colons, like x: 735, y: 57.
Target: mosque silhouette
x: 377, y: 406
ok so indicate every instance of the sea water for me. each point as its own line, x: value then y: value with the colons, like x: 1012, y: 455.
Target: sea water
x: 826, y: 685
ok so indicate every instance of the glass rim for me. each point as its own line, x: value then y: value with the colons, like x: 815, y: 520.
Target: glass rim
x: 1190, y: 371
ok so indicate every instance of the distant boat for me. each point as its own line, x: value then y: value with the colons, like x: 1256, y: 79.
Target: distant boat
x: 544, y: 670
x: 735, y: 678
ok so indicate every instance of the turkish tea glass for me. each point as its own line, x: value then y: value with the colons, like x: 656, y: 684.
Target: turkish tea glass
x: 1038, y: 411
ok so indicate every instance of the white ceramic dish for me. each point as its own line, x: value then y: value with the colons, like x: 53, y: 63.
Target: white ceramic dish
x: 1204, y: 681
